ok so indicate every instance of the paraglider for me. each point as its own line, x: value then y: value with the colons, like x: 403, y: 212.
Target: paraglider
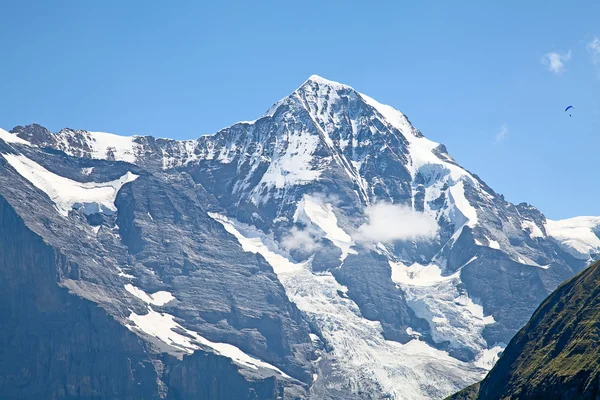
x: 568, y: 108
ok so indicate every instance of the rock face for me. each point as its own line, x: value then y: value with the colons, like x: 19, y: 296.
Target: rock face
x: 326, y: 250
x: 555, y: 356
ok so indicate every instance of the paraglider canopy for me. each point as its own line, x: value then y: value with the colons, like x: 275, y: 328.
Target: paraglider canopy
x: 568, y: 108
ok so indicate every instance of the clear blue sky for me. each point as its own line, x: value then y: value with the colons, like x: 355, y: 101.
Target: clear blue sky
x: 461, y: 71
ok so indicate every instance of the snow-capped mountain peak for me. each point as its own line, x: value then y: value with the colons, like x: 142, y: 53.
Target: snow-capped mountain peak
x: 386, y: 246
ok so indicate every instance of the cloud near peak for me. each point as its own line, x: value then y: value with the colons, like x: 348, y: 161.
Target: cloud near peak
x: 391, y: 222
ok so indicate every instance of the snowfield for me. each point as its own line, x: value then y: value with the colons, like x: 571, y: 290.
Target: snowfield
x: 576, y: 235
x: 66, y: 193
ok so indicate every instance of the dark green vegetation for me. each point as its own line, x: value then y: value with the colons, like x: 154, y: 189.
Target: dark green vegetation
x: 557, y: 354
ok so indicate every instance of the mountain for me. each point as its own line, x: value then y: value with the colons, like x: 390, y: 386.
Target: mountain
x: 555, y: 356
x: 327, y: 250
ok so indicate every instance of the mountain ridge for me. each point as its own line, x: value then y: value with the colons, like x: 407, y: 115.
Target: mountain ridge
x: 311, y: 202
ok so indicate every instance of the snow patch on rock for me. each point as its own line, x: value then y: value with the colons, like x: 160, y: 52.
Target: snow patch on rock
x: 320, y: 213
x: 532, y: 228
x: 493, y: 244
x: 66, y: 193
x: 12, y: 138
x: 158, y: 299
x: 292, y: 164
x: 164, y: 327
x: 462, y: 212
x: 97, y: 145
x: 87, y: 171
x: 488, y: 357
x: 417, y: 274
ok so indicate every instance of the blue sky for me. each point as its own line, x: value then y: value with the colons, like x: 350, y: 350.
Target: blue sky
x: 489, y: 81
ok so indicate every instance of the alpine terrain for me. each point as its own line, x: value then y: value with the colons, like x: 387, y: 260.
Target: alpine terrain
x: 326, y: 250
x: 556, y: 355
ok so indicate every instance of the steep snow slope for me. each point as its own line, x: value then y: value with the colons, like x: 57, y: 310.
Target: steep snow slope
x: 92, y: 197
x: 576, y: 235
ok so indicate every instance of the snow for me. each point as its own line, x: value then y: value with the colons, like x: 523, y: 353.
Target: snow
x: 460, y: 202
x: 291, y: 164
x: 123, y: 147
x: 436, y: 167
x: 87, y: 171
x: 362, y: 182
x: 321, y: 98
x: 444, y: 303
x: 123, y: 274
x: 102, y: 145
x: 487, y: 358
x: 67, y: 193
x: 180, y: 152
x: 417, y: 274
x: 321, y: 214
x: 255, y: 245
x: 326, y: 82
x: 11, y: 138
x: 381, y: 249
x: 493, y: 244
x: 394, y: 117
x: 361, y: 355
x: 421, y: 149
x: 164, y: 327
x: 534, y: 230
x: 412, y: 332
x: 577, y: 236
x: 158, y: 299
x: 512, y: 251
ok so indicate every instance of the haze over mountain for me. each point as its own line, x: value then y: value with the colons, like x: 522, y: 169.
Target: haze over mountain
x: 327, y: 249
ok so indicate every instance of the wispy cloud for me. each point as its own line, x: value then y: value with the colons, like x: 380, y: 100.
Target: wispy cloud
x: 594, y: 49
x: 390, y: 222
x: 501, y: 134
x: 307, y: 240
x: 555, y: 62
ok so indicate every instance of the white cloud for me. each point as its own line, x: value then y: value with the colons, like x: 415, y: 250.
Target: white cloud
x: 594, y: 47
x: 501, y: 134
x: 594, y: 50
x: 555, y: 62
x: 391, y: 222
x: 301, y: 239
x: 308, y: 239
